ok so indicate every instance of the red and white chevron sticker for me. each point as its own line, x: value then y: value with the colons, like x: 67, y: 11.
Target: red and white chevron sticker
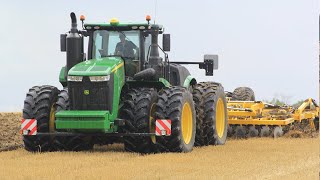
x: 28, y: 127
x: 163, y: 127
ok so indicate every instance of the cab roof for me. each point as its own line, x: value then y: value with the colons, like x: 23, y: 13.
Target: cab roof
x: 120, y: 26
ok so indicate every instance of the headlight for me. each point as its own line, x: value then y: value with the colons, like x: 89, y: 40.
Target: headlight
x: 75, y: 78
x: 99, y: 78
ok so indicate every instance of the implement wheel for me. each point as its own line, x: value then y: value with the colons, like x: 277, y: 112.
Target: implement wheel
x: 70, y: 143
x: 138, y: 108
x: 39, y: 105
x: 176, y: 104
x: 243, y: 94
x: 211, y: 109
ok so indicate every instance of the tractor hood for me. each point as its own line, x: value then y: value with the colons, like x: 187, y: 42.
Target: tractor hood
x: 96, y: 67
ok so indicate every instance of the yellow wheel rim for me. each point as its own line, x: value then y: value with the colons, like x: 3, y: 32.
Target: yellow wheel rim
x: 220, y: 118
x: 152, y: 123
x: 52, y: 118
x: 186, y: 123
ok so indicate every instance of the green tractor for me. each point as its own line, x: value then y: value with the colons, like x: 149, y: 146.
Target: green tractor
x: 122, y: 90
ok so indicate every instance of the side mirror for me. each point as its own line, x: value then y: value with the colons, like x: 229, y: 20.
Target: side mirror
x: 209, y: 64
x: 63, y: 42
x: 212, y: 58
x: 166, y: 42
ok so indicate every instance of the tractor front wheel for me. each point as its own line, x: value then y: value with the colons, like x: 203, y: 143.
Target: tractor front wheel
x: 70, y: 143
x: 39, y: 105
x: 138, y: 111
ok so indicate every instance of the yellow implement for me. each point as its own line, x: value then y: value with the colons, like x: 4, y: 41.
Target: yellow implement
x: 253, y: 118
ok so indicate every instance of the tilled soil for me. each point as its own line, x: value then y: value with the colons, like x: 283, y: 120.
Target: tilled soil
x: 10, y: 137
x: 253, y: 158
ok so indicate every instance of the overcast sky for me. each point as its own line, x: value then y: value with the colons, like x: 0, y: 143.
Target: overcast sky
x: 269, y: 45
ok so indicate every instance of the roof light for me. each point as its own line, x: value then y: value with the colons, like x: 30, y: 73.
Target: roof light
x: 148, y: 18
x: 114, y: 21
x: 82, y: 18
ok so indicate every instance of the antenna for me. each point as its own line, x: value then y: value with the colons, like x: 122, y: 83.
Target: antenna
x: 155, y: 11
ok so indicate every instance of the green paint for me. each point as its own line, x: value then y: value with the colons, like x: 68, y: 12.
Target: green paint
x: 100, y: 120
x: 187, y: 81
x: 95, y: 67
x: 82, y: 120
x: 164, y: 82
x: 128, y: 25
x: 61, y: 75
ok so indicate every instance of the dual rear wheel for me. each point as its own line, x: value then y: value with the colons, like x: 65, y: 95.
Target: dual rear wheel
x: 198, y: 119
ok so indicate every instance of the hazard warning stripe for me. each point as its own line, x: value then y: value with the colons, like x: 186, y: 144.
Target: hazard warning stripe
x: 24, y: 123
x: 29, y: 125
x: 33, y: 131
x: 163, y: 125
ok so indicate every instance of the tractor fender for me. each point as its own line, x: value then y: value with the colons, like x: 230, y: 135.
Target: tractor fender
x: 190, y: 80
x: 62, y: 77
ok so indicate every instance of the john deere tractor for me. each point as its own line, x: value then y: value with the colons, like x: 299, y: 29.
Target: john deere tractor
x: 127, y: 92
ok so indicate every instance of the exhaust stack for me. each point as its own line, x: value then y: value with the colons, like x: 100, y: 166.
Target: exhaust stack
x: 74, y: 45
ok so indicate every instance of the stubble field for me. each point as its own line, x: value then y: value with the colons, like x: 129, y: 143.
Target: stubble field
x: 255, y: 158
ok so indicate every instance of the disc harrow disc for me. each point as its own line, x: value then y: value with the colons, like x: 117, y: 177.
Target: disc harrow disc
x: 253, y: 132
x: 230, y: 131
x: 240, y: 132
x: 277, y: 132
x: 265, y: 131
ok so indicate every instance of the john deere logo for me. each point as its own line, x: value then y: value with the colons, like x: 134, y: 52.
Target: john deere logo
x: 86, y: 92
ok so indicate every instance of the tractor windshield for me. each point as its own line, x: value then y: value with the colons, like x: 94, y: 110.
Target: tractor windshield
x: 115, y: 43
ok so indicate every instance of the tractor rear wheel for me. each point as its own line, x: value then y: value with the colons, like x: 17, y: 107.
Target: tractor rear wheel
x: 176, y: 104
x: 39, y: 105
x: 138, y: 111
x: 211, y: 109
x: 70, y: 143
x: 243, y: 94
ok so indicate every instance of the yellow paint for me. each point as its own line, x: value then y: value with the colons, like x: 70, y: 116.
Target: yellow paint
x: 186, y: 123
x: 52, y: 118
x: 117, y: 67
x: 257, y: 113
x: 220, y: 118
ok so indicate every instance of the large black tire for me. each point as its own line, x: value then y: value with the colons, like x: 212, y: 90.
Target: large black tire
x: 316, y: 123
x: 70, y: 143
x: 138, y: 108
x: 211, y: 124
x: 176, y: 104
x: 243, y: 94
x: 39, y: 104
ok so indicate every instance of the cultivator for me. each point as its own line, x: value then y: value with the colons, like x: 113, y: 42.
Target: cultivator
x: 256, y: 118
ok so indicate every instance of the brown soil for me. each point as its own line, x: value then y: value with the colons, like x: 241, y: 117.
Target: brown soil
x: 10, y: 137
x: 253, y: 158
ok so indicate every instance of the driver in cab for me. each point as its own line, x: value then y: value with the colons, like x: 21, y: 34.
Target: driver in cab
x: 125, y: 48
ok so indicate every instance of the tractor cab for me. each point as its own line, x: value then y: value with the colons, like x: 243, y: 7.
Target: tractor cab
x: 130, y: 41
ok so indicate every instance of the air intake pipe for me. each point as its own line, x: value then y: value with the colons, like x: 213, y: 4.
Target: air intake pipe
x: 154, y: 59
x: 74, y: 45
